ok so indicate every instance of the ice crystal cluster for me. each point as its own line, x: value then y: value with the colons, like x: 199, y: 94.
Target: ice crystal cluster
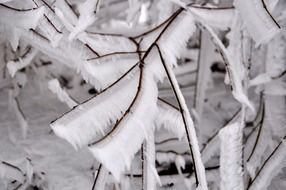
x: 142, y: 94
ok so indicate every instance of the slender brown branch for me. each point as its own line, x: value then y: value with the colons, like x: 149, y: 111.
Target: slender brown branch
x: 166, y: 140
x: 40, y: 35
x: 258, y: 133
x: 210, y: 8
x: 280, y: 75
x: 160, y: 25
x: 268, y: 12
x: 12, y: 166
x: 15, y: 9
x: 128, y: 111
x: 224, y: 125
x: 168, y: 103
x: 19, y: 108
x: 172, y: 152
x: 92, y: 50
x: 181, y: 111
x: 51, y: 23
x: 96, y: 177
x: 48, y: 6
x: 104, y: 90
x: 47, y: 18
x: 115, y: 53
x: 265, y: 162
x: 198, y: 70
x: 105, y: 34
x: 96, y: 6
x: 142, y: 166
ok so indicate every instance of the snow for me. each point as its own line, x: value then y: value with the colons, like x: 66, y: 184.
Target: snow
x: 175, y: 38
x: 131, y: 129
x: 71, y: 70
x: 230, y: 158
x: 271, y: 168
x: 55, y: 87
x: 90, y: 113
x: 261, y: 27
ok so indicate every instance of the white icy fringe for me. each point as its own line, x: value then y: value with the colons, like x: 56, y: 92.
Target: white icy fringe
x: 49, y: 26
x: 180, y: 165
x: 150, y: 173
x: 271, y: 168
x: 22, y: 62
x: 231, y: 157
x: 18, y: 20
x: 117, y: 150
x: 175, y: 38
x: 101, y: 43
x: 258, y: 22
x: 23, y: 19
x: 170, y: 119
x: 217, y: 18
x: 103, y: 72
x: 55, y: 87
x: 84, y: 122
x: 87, y: 12
x: 8, y: 171
x: 66, y: 10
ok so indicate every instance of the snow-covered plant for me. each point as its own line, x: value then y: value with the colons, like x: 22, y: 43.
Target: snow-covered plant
x: 150, y: 94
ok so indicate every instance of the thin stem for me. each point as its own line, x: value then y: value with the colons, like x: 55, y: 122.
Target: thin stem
x: 265, y: 7
x: 159, y: 26
x: 266, y: 161
x: 198, y: 70
x: 187, y: 124
x: 115, y: 53
x: 166, y: 140
x: 142, y: 166
x: 96, y: 177
x: 258, y: 133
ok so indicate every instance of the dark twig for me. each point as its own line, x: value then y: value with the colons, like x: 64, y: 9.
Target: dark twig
x: 97, y: 175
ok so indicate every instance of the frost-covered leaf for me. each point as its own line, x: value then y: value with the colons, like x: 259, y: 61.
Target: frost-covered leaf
x: 25, y: 19
x: 231, y: 157
x: 98, y: 113
x: 133, y: 127
x: 87, y: 11
x: 270, y: 168
x: 231, y: 66
x: 104, y: 71
x: 170, y: 118
x: 216, y: 17
x: 175, y: 38
x: 259, y: 22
